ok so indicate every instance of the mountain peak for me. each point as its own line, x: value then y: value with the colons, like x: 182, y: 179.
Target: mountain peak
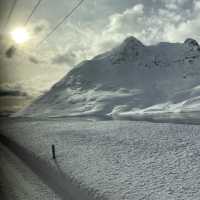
x: 133, y: 78
x: 132, y: 42
x: 129, y: 50
x: 192, y: 44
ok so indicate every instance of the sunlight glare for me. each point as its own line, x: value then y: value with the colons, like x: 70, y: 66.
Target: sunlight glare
x: 20, y: 35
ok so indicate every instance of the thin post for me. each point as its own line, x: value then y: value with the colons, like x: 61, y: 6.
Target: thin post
x: 53, y: 151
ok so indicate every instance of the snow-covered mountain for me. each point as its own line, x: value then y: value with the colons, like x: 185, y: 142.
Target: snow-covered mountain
x: 131, y: 80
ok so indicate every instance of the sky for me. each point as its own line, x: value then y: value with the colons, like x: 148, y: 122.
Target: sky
x: 97, y: 26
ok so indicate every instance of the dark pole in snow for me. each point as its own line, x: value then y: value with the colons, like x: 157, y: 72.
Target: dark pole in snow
x: 53, y: 151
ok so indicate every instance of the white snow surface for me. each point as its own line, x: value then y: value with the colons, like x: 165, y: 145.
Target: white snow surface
x: 116, y: 160
x: 130, y: 81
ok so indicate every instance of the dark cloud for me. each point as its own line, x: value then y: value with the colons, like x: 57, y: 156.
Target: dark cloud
x: 39, y: 28
x: 7, y: 49
x: 10, y: 52
x: 67, y: 58
x: 34, y: 60
x: 13, y: 93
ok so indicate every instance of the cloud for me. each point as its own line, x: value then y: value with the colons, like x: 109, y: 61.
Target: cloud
x: 40, y: 27
x: 7, y: 47
x: 13, y: 98
x: 6, y: 91
x: 124, y: 21
x: 176, y: 2
x: 196, y: 5
x: 190, y: 27
x: 35, y: 60
x: 12, y: 93
x: 171, y: 23
x: 10, y: 52
x: 68, y: 58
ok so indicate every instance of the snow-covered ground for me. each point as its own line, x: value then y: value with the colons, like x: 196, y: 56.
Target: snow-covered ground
x: 114, y: 159
x: 19, y: 182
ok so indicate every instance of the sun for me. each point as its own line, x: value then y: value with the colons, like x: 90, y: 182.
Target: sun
x: 20, y: 35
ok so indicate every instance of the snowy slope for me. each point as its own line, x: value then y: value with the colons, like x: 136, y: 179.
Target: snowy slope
x: 130, y: 80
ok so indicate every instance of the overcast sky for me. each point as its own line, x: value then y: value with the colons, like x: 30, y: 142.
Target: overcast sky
x: 96, y: 27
